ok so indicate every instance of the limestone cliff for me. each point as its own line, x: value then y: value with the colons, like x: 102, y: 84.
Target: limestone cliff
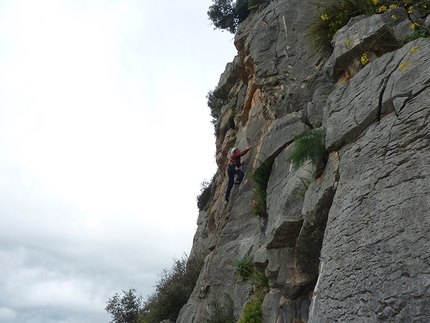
x: 348, y: 243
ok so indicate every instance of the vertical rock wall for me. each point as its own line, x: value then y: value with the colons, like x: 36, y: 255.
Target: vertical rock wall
x: 349, y: 245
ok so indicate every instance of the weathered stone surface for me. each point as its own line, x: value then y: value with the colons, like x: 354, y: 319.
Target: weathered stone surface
x: 281, y: 133
x: 357, y: 242
x: 270, y: 306
x: 283, y: 70
x: 284, y: 201
x: 407, y: 75
x: 353, y: 106
x: 375, y: 255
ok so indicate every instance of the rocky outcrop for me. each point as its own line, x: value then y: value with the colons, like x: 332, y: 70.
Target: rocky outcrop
x: 349, y: 245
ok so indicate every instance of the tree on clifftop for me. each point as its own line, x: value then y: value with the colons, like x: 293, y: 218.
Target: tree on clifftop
x: 226, y: 14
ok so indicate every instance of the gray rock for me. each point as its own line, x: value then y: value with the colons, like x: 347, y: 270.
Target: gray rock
x: 281, y: 133
x: 357, y: 243
x: 375, y: 254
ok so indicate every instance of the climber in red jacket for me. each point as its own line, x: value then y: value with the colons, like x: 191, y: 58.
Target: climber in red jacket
x: 233, y: 169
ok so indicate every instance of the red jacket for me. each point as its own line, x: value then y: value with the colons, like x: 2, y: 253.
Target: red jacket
x: 235, y: 158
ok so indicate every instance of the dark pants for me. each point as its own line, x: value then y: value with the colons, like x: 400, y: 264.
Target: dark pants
x: 232, y: 171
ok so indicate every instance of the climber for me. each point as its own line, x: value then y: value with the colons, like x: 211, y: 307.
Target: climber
x: 233, y: 169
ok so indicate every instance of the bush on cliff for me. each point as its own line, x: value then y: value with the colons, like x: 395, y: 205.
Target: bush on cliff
x: 252, y: 311
x: 206, y: 192
x: 226, y: 14
x: 309, y: 145
x: 246, y: 269
x: 260, y: 176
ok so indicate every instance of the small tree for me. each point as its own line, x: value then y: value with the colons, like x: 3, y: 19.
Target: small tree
x: 226, y: 14
x: 125, y: 308
x: 205, y: 195
x: 172, y: 290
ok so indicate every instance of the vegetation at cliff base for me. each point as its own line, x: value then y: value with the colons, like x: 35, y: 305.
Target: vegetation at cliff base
x: 126, y: 308
x: 172, y: 292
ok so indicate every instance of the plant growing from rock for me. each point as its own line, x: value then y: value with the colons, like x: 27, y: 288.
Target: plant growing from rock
x: 252, y: 311
x: 260, y: 176
x: 246, y: 269
x: 206, y: 194
x: 419, y: 32
x: 309, y: 146
x: 215, y: 104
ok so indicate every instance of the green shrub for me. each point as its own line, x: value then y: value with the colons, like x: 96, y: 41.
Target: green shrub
x: 220, y: 310
x: 226, y: 14
x: 172, y: 290
x: 247, y: 270
x: 126, y: 308
x: 252, y: 312
x: 309, y: 146
x: 215, y: 104
x: 419, y: 32
x: 244, y: 267
x: 206, y: 193
x: 329, y: 18
x: 260, y: 176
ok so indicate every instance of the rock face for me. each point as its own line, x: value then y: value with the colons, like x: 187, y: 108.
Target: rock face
x: 352, y: 244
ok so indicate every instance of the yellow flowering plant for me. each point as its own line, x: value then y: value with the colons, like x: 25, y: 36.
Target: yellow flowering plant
x: 364, y: 59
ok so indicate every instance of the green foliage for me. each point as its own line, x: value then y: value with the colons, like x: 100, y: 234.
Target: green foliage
x: 220, y: 310
x: 252, y: 312
x: 206, y: 193
x: 329, y: 18
x: 125, y: 308
x: 309, y: 146
x: 334, y: 14
x: 215, y: 104
x: 173, y: 290
x: 419, y: 32
x: 224, y: 14
x: 260, y: 176
x: 244, y: 267
x: 247, y: 270
x: 229, y: 125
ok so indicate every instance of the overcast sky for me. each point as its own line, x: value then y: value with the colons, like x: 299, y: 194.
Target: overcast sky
x: 105, y: 137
